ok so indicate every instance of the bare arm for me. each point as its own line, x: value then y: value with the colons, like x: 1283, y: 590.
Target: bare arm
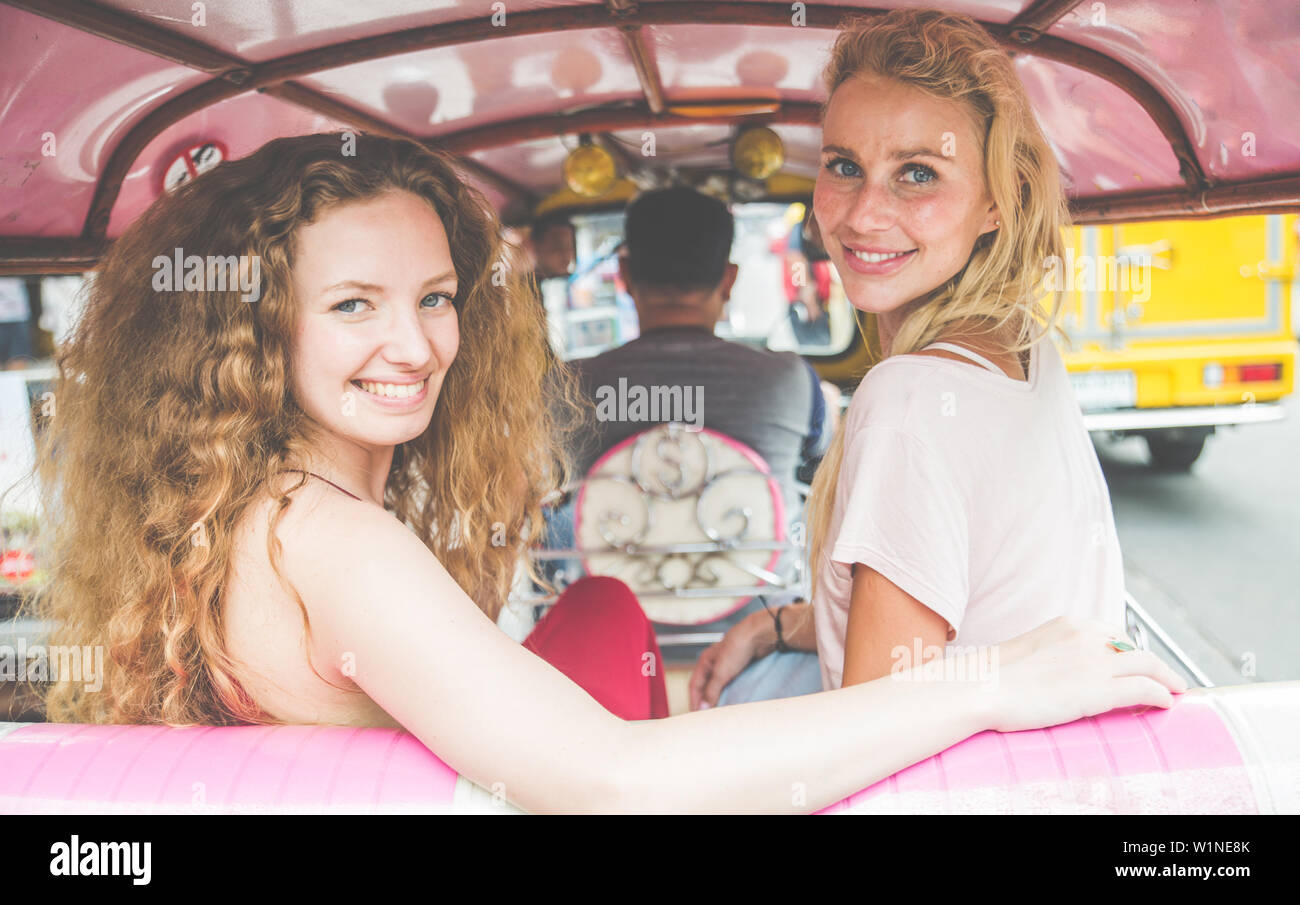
x: 497, y: 713
x: 882, y: 618
x: 879, y: 611
x: 750, y: 639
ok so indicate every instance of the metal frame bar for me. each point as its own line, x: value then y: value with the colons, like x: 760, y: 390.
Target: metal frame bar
x: 1033, y: 21
x: 20, y: 255
x: 301, y: 96
x: 139, y: 34
x: 1024, y: 34
x: 630, y: 161
x: 688, y: 639
x: 1146, y: 622
x: 610, y: 120
x: 638, y: 550
x: 684, y: 593
x: 233, y: 76
x: 1274, y: 195
x: 647, y: 70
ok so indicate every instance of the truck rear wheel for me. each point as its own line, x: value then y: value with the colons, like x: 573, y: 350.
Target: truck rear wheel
x: 1175, y: 450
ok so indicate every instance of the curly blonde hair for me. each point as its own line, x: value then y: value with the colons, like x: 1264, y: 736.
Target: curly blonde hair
x: 950, y: 56
x: 176, y: 411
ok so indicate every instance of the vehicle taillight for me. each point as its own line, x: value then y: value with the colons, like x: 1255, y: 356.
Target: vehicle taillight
x: 1255, y: 373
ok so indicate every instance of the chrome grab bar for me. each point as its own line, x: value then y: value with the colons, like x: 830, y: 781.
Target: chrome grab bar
x: 683, y: 593
x: 688, y: 639
x: 634, y: 549
x: 1139, y: 622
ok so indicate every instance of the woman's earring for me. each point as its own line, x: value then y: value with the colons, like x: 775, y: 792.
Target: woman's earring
x: 997, y: 223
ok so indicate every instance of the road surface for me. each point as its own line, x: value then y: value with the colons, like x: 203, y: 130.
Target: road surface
x: 1214, y: 555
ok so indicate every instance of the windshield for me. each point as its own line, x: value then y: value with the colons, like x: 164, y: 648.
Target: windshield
x: 781, y: 300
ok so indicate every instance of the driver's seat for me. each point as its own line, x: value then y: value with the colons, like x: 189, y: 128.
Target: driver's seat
x: 692, y: 521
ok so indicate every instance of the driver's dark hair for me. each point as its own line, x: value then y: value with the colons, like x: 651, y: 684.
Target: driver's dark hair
x: 678, y: 239
x: 547, y: 222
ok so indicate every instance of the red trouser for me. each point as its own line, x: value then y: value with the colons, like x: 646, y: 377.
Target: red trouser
x: 598, y: 635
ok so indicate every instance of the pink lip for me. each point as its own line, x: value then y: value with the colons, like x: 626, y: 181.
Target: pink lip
x: 879, y: 268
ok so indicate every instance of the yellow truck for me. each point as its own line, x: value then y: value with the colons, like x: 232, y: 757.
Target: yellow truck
x: 1177, y: 328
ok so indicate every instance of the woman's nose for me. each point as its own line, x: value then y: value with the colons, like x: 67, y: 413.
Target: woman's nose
x: 406, y: 341
x: 873, y: 209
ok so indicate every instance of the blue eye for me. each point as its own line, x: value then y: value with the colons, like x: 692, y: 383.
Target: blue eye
x: 920, y: 170
x: 850, y: 170
x: 441, y: 297
x: 339, y: 306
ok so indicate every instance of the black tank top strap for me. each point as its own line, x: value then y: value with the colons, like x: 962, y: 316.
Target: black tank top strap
x: 326, y: 480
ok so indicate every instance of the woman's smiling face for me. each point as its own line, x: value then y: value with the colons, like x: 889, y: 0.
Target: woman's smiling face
x: 900, y: 196
x: 374, y: 281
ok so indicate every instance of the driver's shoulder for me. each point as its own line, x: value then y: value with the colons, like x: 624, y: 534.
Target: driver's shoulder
x: 781, y: 371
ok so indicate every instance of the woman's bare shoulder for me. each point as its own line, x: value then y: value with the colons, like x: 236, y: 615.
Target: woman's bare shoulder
x: 319, y: 519
x: 343, y: 559
x: 263, y: 620
x: 320, y: 530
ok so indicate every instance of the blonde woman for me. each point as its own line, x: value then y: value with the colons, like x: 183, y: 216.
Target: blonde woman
x: 961, y: 503
x: 258, y: 529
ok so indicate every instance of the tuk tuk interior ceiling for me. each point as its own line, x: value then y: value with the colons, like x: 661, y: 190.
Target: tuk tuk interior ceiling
x: 1153, y: 106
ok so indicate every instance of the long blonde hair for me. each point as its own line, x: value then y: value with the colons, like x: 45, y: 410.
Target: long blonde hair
x: 1001, y: 286
x: 176, y: 411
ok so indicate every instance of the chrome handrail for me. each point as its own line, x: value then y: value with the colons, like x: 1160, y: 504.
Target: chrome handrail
x: 688, y: 639
x: 636, y: 549
x: 686, y: 593
x: 1139, y: 621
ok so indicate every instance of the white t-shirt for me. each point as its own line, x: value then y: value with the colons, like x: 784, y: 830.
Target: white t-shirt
x: 978, y: 494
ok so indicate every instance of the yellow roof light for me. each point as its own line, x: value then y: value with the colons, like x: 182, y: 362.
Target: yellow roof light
x: 758, y: 152
x: 589, y: 170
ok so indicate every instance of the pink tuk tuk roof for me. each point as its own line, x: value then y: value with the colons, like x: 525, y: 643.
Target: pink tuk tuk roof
x: 1156, y: 108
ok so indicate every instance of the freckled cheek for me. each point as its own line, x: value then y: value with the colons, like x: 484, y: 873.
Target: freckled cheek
x: 939, y: 225
x: 828, y: 207
x: 931, y: 219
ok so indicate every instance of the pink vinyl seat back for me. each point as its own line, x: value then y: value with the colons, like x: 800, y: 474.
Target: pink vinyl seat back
x: 61, y: 767
x: 1217, y: 751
